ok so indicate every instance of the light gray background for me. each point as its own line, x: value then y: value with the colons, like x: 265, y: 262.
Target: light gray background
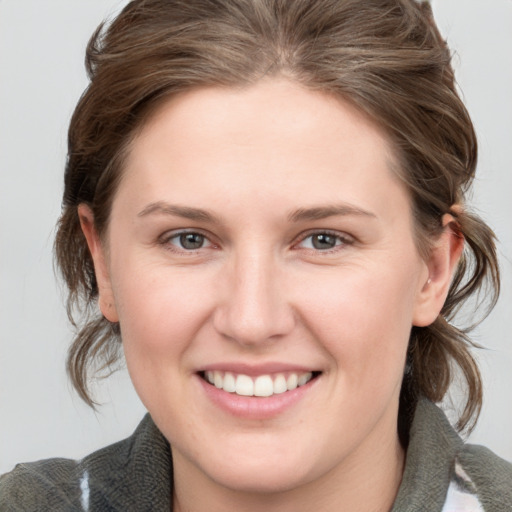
x: 42, y: 46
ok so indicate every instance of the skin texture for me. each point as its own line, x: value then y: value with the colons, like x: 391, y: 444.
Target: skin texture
x: 259, y: 292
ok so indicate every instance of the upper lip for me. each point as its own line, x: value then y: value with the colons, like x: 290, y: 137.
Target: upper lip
x: 253, y: 370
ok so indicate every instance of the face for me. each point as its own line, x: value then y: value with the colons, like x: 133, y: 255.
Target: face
x: 259, y: 244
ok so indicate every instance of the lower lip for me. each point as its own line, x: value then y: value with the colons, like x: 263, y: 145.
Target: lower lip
x: 252, y: 407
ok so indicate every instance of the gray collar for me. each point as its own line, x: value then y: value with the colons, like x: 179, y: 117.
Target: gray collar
x: 430, y: 458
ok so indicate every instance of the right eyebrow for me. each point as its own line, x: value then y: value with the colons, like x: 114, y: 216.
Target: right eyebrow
x: 186, y: 212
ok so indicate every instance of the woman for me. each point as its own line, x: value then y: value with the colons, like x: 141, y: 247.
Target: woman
x: 264, y: 203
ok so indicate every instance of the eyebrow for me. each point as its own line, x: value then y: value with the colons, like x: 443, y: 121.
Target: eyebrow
x: 323, y: 212
x: 186, y: 212
x: 299, y: 215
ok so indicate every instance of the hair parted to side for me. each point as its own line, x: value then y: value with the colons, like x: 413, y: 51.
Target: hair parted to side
x: 386, y: 57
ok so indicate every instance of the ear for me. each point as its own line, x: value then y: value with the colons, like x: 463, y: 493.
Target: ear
x: 106, y: 297
x: 441, y: 265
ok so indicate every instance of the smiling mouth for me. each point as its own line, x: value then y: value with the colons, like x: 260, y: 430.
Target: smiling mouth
x: 261, y: 386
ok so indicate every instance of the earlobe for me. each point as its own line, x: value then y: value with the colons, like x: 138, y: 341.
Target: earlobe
x: 106, y: 297
x: 442, y: 263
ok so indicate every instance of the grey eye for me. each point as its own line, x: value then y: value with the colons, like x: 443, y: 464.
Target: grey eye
x: 322, y: 241
x: 191, y: 241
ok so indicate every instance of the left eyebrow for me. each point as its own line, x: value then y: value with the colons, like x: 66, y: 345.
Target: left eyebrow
x: 323, y: 212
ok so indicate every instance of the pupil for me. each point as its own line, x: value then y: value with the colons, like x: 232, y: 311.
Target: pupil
x: 324, y: 241
x: 191, y: 240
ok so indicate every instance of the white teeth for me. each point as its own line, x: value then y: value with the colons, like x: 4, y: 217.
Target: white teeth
x: 280, y: 384
x: 304, y: 378
x: 244, y: 385
x: 262, y: 386
x: 217, y: 379
x: 229, y: 383
x: 292, y: 381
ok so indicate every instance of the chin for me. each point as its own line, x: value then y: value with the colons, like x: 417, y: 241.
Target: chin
x: 258, y: 477
x: 265, y: 464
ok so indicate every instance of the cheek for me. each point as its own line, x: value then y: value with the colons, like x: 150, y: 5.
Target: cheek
x: 363, y: 320
x: 160, y: 314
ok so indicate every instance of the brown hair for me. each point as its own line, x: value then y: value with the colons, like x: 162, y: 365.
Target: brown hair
x: 386, y: 57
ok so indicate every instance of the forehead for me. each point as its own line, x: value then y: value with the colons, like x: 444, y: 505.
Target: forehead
x: 275, y: 139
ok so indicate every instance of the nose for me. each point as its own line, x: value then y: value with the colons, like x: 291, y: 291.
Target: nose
x: 254, y: 308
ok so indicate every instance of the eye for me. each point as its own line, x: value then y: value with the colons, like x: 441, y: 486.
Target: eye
x: 324, y: 241
x: 185, y: 241
x: 191, y: 241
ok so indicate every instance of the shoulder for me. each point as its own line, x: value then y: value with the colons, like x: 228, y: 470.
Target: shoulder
x: 42, y: 485
x: 490, y: 475
x: 114, y: 478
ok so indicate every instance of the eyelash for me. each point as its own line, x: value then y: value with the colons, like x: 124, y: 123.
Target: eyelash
x: 342, y: 240
x: 166, y: 241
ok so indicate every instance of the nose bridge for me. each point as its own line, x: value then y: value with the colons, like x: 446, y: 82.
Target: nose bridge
x: 255, y: 308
